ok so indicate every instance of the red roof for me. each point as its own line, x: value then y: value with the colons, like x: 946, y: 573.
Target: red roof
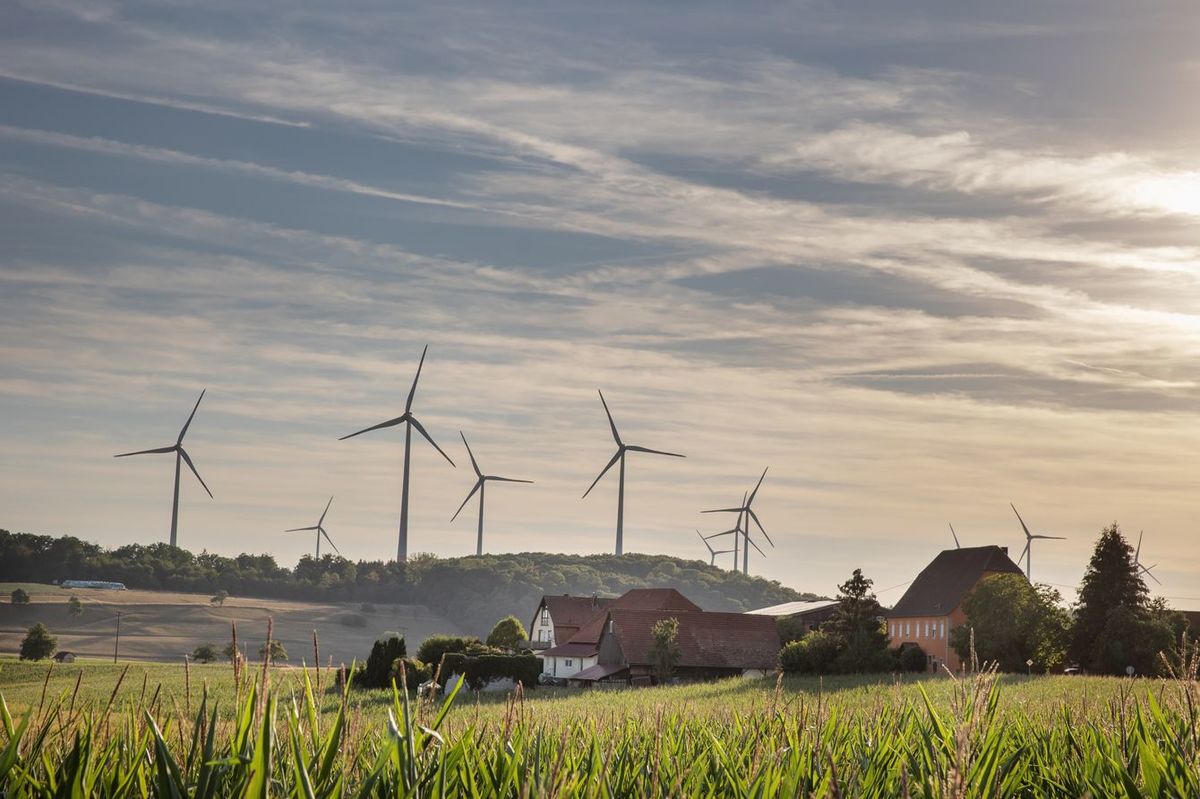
x: 570, y: 611
x: 656, y: 599
x: 599, y: 671
x: 706, y: 640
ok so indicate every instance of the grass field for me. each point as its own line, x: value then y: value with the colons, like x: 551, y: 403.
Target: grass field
x: 931, y: 736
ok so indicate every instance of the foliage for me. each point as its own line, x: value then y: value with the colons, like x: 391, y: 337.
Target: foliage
x: 791, y: 628
x: 74, y: 607
x: 218, y: 599
x: 479, y: 670
x: 1013, y: 622
x: 377, y: 673
x: 232, y: 653
x: 277, y: 652
x: 664, y: 653
x: 857, y: 629
x: 470, y: 592
x: 816, y: 653
x: 20, y: 596
x: 913, y: 659
x: 38, y: 643
x: 205, y: 653
x: 433, y: 647
x: 508, y: 634
x: 410, y: 672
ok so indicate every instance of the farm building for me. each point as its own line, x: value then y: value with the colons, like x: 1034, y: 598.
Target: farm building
x: 805, y: 616
x: 932, y: 606
x: 64, y: 657
x: 559, y: 617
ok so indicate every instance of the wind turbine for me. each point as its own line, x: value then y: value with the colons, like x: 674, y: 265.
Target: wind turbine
x: 180, y: 455
x: 622, y: 448
x: 1137, y: 561
x: 714, y: 552
x: 747, y: 509
x: 481, y: 479
x: 409, y: 421
x: 735, y: 531
x: 320, y: 531
x: 956, y: 544
x: 1027, y: 552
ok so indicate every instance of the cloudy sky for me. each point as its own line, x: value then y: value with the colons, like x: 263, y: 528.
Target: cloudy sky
x: 921, y: 260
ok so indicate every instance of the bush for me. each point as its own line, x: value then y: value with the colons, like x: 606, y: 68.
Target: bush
x: 205, y: 653
x: 913, y: 658
x: 816, y: 653
x: 367, y: 607
x: 74, y: 606
x: 377, y: 672
x: 483, y: 669
x: 39, y: 644
x: 277, y: 651
x: 353, y: 620
x: 414, y: 672
x: 218, y: 599
x: 20, y: 596
x: 508, y: 634
x: 433, y: 647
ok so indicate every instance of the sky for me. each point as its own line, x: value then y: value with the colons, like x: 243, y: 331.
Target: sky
x: 920, y: 260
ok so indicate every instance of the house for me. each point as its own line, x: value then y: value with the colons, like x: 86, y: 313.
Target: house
x: 711, y: 645
x: 805, y: 616
x: 932, y: 606
x: 64, y: 657
x: 559, y: 617
x: 578, y: 650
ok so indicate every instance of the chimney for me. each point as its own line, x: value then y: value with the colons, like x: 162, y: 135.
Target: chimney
x: 610, y: 626
x: 594, y: 600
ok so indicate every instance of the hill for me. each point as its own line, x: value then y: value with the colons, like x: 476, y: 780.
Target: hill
x: 470, y: 592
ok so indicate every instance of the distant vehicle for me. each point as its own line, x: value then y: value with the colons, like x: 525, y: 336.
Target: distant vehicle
x: 1072, y: 671
x: 105, y: 584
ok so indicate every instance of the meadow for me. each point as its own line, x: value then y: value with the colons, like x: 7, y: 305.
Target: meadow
x: 100, y: 729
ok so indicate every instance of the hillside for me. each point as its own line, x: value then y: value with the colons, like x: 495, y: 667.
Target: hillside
x: 470, y: 592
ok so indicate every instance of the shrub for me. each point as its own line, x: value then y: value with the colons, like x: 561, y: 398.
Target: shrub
x: 367, y: 607
x: 414, y: 672
x: 205, y: 653
x: 816, y: 653
x: 913, y: 658
x: 508, y: 634
x: 483, y: 669
x: 38, y: 644
x: 377, y: 672
x: 433, y: 647
x: 353, y: 620
x: 20, y: 596
x: 74, y: 606
x: 277, y: 651
x: 218, y: 599
x: 664, y: 654
x: 231, y: 652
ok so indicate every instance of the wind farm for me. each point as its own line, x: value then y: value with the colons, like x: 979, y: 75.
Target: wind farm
x: 480, y: 487
x: 319, y: 530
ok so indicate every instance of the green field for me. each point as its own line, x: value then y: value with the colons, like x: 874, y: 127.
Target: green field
x: 982, y: 736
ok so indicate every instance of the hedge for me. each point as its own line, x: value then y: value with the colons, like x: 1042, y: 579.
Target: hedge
x: 483, y: 669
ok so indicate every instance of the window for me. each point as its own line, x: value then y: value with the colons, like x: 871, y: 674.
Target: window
x: 892, y: 628
x: 567, y: 663
x: 926, y: 629
x: 943, y: 632
x: 545, y: 617
x: 906, y: 628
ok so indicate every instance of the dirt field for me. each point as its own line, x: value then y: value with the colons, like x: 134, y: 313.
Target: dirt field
x: 163, y: 626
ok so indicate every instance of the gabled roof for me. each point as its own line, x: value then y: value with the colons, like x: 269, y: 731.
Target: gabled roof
x: 667, y: 599
x: 706, y: 640
x: 794, y: 608
x: 571, y: 611
x: 944, y: 584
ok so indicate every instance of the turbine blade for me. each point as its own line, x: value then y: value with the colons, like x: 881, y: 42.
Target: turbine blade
x: 755, y: 491
x: 756, y: 546
x: 421, y: 429
x: 322, y: 519
x: 474, y: 465
x: 1022, y: 521
x: 655, y: 451
x: 146, y: 452
x: 706, y: 544
x: 603, y: 471
x: 1148, y: 573
x: 1051, y: 537
x: 956, y: 544
x: 330, y: 540
x: 761, y: 529
x: 474, y: 488
x: 188, y: 423
x: 724, y: 510
x: 380, y: 426
x: 412, y: 392
x: 192, y: 466
x: 504, y: 479
x: 1137, y: 553
x: 616, y: 436
x: 735, y: 530
x: 1023, y: 551
x: 302, y: 529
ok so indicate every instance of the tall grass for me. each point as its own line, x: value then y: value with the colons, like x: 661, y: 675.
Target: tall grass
x: 945, y: 738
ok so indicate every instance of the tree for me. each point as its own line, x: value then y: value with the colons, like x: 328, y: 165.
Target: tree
x: 857, y: 628
x: 664, y: 653
x: 377, y: 672
x: 205, y: 653
x: 508, y: 634
x: 1114, y: 625
x: 433, y: 647
x: 74, y: 606
x: 1013, y: 622
x: 277, y: 651
x: 815, y: 653
x: 231, y: 652
x: 218, y: 599
x: 38, y: 644
x: 20, y: 596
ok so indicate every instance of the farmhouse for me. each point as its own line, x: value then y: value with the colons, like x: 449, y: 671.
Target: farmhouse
x: 711, y: 645
x: 932, y: 606
x: 559, y: 617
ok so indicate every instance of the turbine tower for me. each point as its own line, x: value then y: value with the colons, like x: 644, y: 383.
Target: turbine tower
x: 712, y: 553
x: 735, y: 531
x: 409, y: 421
x: 320, y: 531
x: 622, y: 448
x: 1027, y: 552
x: 480, y: 481
x: 1137, y: 561
x: 747, y: 509
x: 180, y: 455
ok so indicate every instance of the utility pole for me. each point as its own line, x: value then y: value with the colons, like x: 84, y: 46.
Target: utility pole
x: 117, y: 645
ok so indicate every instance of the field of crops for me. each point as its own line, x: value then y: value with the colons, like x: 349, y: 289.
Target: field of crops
x: 163, y: 731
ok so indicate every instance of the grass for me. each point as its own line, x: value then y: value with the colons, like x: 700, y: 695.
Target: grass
x: 167, y: 732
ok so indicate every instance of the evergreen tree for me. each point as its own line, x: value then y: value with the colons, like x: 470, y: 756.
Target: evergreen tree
x: 38, y: 643
x: 74, y: 606
x: 1112, y: 607
x: 856, y: 627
